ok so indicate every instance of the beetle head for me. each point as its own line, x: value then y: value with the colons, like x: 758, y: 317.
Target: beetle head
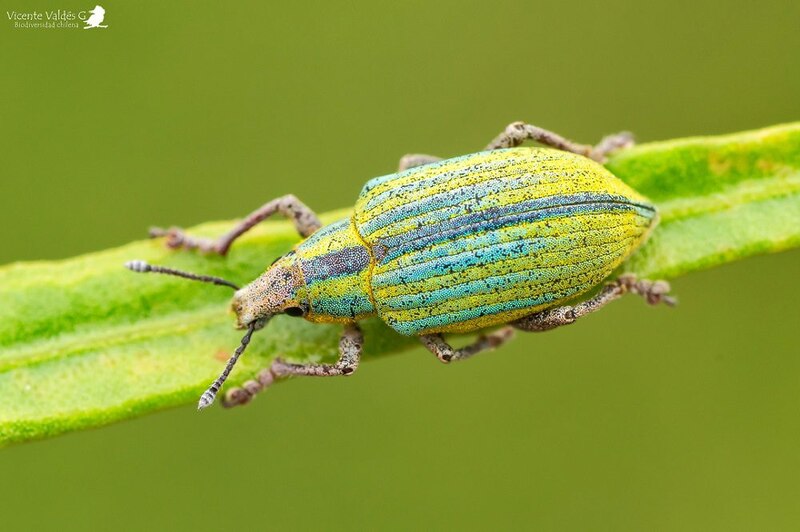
x: 279, y: 290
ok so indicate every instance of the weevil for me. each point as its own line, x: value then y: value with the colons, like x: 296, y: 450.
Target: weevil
x: 508, y: 237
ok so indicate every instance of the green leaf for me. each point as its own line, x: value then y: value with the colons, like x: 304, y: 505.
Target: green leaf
x: 84, y: 342
x: 720, y: 198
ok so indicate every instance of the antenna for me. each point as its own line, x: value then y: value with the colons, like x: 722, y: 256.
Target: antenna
x: 141, y: 266
x: 208, y: 396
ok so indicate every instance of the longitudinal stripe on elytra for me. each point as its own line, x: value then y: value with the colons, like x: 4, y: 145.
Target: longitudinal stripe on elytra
x: 504, y: 190
x: 523, y: 242
x: 494, y: 164
x: 444, y: 321
x: 580, y: 204
x: 498, y: 217
x: 510, y: 282
x: 424, y: 184
x: 514, y: 256
x: 438, y: 204
x: 429, y: 177
x: 574, y: 232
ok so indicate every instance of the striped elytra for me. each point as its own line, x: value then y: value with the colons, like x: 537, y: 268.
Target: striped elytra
x: 471, y: 242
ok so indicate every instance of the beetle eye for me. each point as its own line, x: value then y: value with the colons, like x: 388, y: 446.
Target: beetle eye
x: 294, y: 311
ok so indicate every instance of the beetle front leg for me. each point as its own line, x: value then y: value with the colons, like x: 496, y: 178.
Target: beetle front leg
x: 654, y: 292
x: 305, y: 220
x: 446, y: 353
x: 518, y: 132
x: 351, y: 345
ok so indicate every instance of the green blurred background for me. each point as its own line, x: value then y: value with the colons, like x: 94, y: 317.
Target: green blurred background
x: 635, y: 419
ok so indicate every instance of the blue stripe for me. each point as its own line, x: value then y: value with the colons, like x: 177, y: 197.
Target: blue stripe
x: 484, y: 240
x: 430, y: 322
x: 441, y: 177
x: 478, y: 255
x: 498, y: 217
x: 374, y: 182
x: 475, y: 256
x: 347, y: 306
x: 498, y: 283
x: 449, y: 198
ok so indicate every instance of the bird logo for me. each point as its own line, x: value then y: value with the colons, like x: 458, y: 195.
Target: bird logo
x: 96, y: 19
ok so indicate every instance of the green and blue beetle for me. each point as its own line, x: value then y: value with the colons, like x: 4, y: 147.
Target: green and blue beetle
x: 503, y: 236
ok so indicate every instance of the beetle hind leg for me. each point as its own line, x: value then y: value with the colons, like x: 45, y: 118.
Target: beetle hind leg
x: 350, y: 347
x: 654, y: 292
x: 446, y: 353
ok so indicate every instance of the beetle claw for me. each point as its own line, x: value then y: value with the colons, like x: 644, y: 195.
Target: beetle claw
x: 243, y: 395
x: 236, y: 397
x: 654, y: 292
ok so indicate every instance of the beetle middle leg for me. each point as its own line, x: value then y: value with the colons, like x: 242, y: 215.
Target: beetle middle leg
x: 305, y: 220
x: 350, y: 347
x: 518, y: 132
x: 446, y: 353
x: 654, y: 292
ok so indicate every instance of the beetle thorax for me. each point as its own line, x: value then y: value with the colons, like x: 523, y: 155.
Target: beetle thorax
x: 335, y: 265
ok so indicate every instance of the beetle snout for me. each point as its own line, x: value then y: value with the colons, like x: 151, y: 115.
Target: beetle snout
x: 239, y: 307
x: 272, y: 293
x: 249, y: 308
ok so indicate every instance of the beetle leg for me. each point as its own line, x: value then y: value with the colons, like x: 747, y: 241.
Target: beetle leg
x: 437, y: 345
x: 612, y: 143
x: 518, y: 132
x: 350, y: 347
x: 412, y: 160
x: 654, y: 292
x: 304, y: 220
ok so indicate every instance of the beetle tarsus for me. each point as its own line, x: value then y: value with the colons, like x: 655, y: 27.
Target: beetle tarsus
x: 304, y: 219
x: 654, y: 292
x: 446, y: 353
x: 176, y: 238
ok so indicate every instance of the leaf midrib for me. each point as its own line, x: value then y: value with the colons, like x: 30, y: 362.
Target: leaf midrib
x: 744, y: 192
